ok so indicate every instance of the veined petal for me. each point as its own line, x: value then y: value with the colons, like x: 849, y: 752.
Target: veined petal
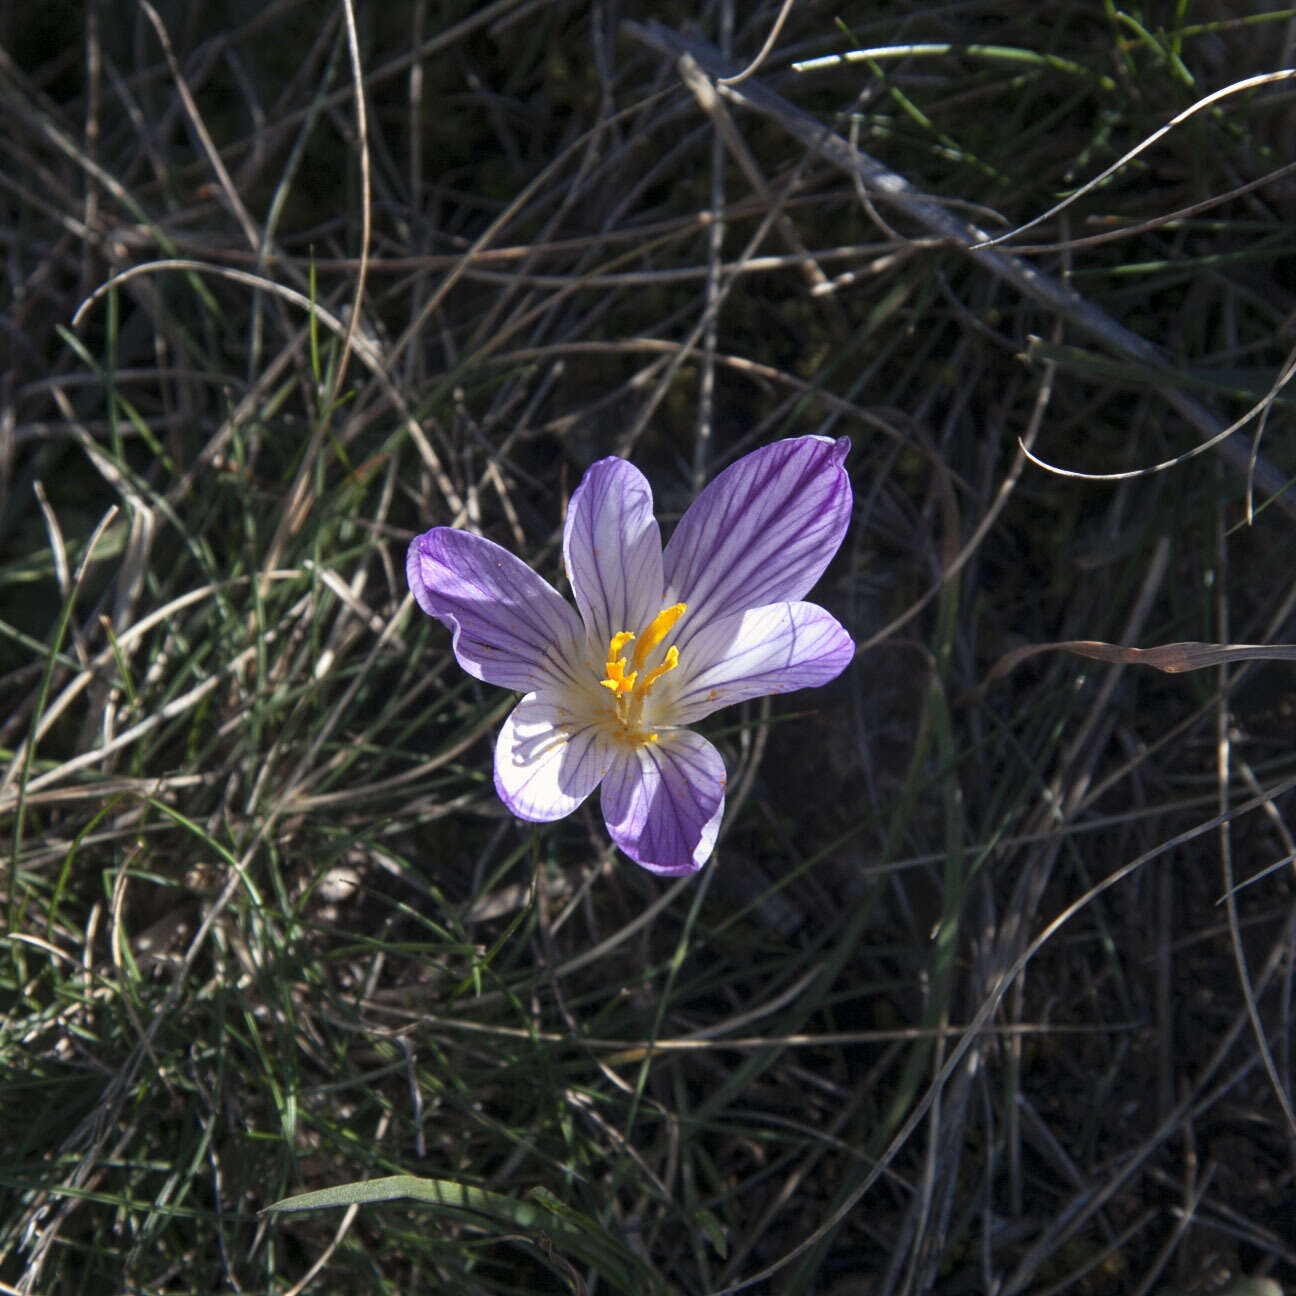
x: 546, y: 765
x: 510, y: 627
x: 612, y: 549
x: 762, y: 532
x: 772, y: 649
x: 663, y: 801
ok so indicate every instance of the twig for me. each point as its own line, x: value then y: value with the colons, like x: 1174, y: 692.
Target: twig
x: 886, y: 185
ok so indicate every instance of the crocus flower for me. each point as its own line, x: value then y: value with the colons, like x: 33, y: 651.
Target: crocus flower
x: 661, y: 640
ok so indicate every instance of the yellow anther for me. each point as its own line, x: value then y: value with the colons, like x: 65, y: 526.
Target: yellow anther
x: 657, y: 630
x: 624, y: 678
x: 617, y: 680
x: 671, y: 661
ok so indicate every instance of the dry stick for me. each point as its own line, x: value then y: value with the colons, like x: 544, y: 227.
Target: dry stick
x: 366, y: 213
x: 802, y: 259
x: 376, y: 359
x: 887, y: 185
x: 344, y: 1225
x: 125, y: 641
x: 768, y: 222
x: 1194, y: 1193
x: 1049, y: 1245
x: 962, y: 1081
x: 981, y: 1022
x: 413, y: 371
x: 1223, y: 767
x: 1199, y: 105
x: 433, y: 304
x: 1173, y: 658
x: 746, y: 775
x: 93, y: 1132
x: 675, y: 227
x: 536, y: 185
x: 1059, y: 805
x: 299, y: 803
x: 568, y: 200
x: 287, y: 176
x: 712, y: 1038
x: 91, y: 135
x: 444, y: 39
x: 982, y: 529
x: 227, y: 186
x: 1259, y: 411
x: 766, y: 48
x: 19, y: 767
x: 710, y: 102
x: 820, y: 285
x: 302, y: 496
x: 1156, y: 222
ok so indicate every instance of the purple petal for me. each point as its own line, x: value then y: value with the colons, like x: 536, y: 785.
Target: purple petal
x: 510, y: 627
x: 772, y: 649
x: 663, y: 801
x: 762, y: 532
x: 612, y: 548
x: 544, y: 765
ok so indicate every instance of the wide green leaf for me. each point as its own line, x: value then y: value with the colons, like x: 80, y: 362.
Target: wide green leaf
x: 572, y: 1232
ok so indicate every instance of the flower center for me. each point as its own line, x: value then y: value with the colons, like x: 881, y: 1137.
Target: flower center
x: 623, y: 677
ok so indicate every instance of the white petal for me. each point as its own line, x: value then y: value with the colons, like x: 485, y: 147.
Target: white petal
x: 547, y: 763
x: 612, y: 548
x: 663, y: 801
x: 773, y: 649
x: 510, y: 626
x: 762, y: 532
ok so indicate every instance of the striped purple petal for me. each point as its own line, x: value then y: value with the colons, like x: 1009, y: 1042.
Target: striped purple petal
x: 762, y: 532
x: 772, y: 649
x: 510, y: 627
x: 662, y: 801
x: 545, y: 766
x: 612, y: 549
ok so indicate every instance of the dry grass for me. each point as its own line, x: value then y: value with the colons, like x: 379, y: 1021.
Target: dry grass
x: 988, y: 987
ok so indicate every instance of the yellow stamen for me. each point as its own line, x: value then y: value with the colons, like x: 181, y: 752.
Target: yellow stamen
x: 658, y: 628
x: 617, y: 680
x: 624, y: 678
x: 671, y: 661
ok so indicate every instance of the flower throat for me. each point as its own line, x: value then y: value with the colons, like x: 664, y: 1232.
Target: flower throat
x: 624, y: 678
